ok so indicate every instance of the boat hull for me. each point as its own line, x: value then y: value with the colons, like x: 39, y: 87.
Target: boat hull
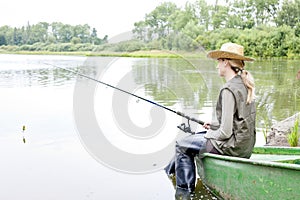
x: 257, y: 178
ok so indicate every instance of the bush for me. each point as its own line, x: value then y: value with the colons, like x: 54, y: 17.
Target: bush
x: 262, y: 42
x: 294, y: 135
x: 129, y: 46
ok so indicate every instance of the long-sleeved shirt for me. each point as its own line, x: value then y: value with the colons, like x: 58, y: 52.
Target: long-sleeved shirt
x: 225, y: 130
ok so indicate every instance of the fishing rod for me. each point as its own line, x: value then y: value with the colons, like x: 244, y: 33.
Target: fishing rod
x: 186, y: 129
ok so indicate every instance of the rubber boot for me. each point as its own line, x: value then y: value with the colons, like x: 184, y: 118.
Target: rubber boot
x: 185, y: 172
x: 170, y: 168
x: 186, y: 150
x: 182, y: 194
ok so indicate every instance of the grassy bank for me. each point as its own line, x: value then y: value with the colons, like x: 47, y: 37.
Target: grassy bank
x: 135, y: 54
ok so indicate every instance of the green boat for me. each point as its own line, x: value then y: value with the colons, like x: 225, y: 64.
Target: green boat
x: 270, y: 173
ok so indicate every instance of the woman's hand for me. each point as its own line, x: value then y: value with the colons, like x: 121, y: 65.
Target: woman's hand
x: 206, y: 125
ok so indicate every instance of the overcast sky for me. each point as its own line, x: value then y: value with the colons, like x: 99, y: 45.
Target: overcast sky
x: 109, y: 17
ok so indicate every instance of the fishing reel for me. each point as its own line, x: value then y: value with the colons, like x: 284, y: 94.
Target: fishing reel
x: 186, y: 128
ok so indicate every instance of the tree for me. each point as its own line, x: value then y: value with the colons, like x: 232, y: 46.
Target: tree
x: 2, y: 40
x: 8, y: 33
x: 66, y: 32
x: 240, y: 15
x: 219, y: 16
x: 17, y: 37
x: 140, y: 31
x: 264, y: 10
x: 289, y: 13
x: 36, y: 33
x: 56, y: 29
x: 189, y: 35
x: 202, y: 12
x: 82, y: 32
x: 180, y: 18
x: 158, y: 19
x: 62, y: 32
x: 94, y: 36
x: 45, y: 33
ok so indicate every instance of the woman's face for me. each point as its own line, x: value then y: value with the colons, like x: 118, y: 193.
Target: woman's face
x: 221, y: 66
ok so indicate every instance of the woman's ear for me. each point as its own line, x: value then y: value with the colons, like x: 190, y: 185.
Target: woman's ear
x: 226, y: 63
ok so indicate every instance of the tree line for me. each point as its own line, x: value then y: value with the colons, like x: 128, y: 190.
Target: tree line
x: 267, y: 28
x: 49, y: 33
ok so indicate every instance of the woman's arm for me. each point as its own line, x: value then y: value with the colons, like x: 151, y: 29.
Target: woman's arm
x: 228, y: 107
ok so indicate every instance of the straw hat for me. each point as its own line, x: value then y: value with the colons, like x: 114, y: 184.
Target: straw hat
x: 231, y: 51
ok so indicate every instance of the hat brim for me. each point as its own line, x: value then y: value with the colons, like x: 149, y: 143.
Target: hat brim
x: 224, y: 54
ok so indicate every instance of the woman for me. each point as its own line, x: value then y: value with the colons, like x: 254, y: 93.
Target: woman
x: 232, y: 131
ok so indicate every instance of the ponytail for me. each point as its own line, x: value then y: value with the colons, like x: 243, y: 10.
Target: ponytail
x: 249, y: 82
x: 238, y: 67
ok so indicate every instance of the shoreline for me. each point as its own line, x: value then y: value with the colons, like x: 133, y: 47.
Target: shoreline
x: 135, y: 54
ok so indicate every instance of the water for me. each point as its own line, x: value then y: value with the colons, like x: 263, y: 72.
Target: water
x: 56, y: 162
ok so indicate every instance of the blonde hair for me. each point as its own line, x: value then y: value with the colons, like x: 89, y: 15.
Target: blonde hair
x: 238, y: 67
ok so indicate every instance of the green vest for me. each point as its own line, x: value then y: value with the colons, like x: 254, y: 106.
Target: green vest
x: 242, y: 141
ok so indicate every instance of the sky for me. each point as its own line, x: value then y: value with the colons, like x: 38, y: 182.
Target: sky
x: 109, y: 17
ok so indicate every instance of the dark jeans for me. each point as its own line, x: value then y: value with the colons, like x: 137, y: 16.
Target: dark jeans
x: 183, y: 165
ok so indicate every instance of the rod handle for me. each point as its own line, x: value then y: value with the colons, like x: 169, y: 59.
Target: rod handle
x: 213, y: 127
x: 190, y: 118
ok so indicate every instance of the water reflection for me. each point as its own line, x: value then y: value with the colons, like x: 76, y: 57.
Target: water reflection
x: 197, y: 84
x: 170, y: 80
x: 277, y: 90
x: 36, y: 78
x: 201, y: 191
x: 33, y: 71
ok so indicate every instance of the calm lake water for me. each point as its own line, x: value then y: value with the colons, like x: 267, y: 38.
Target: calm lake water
x: 56, y: 162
